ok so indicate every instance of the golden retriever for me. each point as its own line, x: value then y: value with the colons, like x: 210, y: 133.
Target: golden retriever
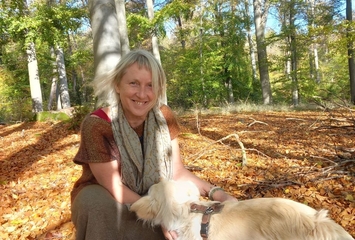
x: 168, y: 203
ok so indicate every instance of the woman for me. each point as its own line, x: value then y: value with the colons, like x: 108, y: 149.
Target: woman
x: 125, y: 148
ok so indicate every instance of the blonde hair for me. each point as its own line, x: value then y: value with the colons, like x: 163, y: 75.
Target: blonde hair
x: 104, y: 85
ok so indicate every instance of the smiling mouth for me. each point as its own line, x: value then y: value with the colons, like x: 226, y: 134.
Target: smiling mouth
x: 139, y: 103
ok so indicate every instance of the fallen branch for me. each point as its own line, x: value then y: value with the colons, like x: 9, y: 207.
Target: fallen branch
x: 256, y: 121
x: 296, y: 119
x: 241, y: 145
x: 244, y: 156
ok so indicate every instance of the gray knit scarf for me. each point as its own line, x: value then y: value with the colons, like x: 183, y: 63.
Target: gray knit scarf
x: 141, y: 170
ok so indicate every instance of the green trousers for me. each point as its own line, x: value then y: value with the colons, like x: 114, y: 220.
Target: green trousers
x: 97, y: 216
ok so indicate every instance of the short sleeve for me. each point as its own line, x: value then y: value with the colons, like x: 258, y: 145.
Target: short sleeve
x: 97, y: 142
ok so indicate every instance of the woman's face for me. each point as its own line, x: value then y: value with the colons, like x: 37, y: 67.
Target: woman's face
x: 136, y: 92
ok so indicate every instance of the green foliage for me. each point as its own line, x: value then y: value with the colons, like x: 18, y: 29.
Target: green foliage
x: 51, y: 116
x: 78, y: 116
x: 46, y: 26
x: 13, y: 105
x: 204, y: 54
x: 214, y: 56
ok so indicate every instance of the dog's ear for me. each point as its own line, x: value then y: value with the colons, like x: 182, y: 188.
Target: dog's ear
x: 144, y: 208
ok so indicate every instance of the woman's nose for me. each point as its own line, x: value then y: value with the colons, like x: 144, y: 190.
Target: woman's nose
x: 142, y: 92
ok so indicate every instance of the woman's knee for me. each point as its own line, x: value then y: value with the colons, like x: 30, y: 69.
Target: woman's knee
x: 95, y: 200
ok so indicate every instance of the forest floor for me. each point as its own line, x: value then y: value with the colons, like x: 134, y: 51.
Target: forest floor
x: 307, y: 156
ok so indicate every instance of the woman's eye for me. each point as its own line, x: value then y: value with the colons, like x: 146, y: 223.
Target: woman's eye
x: 133, y: 83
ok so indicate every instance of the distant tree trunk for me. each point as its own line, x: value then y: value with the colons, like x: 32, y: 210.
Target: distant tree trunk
x: 122, y: 26
x: 79, y: 87
x: 293, y: 51
x: 52, y: 94
x: 155, y: 43
x: 250, y: 40
x: 181, y: 32
x: 35, y: 85
x: 204, y: 101
x: 229, y: 87
x: 351, y: 56
x: 260, y: 17
x: 313, y: 51
x: 316, y: 74
x: 107, y: 44
x: 63, y: 81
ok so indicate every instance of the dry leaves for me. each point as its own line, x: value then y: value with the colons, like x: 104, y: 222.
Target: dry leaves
x: 305, y: 156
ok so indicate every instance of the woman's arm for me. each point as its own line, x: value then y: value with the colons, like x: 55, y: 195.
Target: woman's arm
x: 182, y: 174
x: 108, y: 176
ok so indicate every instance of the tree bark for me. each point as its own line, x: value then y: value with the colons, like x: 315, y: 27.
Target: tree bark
x: 260, y: 17
x: 250, y: 41
x: 351, y: 57
x: 52, y: 94
x: 293, y: 50
x: 122, y: 26
x: 107, y: 44
x: 155, y: 43
x: 35, y: 85
x: 63, y: 81
x: 314, y: 60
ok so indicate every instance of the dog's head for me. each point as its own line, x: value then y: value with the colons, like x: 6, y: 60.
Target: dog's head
x: 166, y: 203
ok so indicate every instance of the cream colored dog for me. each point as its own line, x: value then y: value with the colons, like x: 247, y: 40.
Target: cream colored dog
x: 168, y: 203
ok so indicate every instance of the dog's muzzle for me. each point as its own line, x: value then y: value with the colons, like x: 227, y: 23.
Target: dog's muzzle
x: 207, y: 212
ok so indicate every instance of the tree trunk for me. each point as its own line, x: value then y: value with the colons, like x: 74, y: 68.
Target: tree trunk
x: 351, y: 57
x: 155, y: 43
x: 293, y: 50
x: 52, y: 94
x: 35, y: 85
x: 181, y: 32
x: 63, y: 81
x: 122, y: 25
x: 107, y: 45
x: 314, y: 60
x: 204, y: 101
x: 260, y: 17
x: 316, y: 63
x: 229, y: 87
x: 250, y: 41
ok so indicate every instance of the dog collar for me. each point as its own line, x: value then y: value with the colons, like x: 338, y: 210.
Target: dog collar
x: 207, y: 211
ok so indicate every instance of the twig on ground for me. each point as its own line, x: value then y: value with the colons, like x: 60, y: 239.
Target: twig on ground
x: 296, y: 119
x: 256, y: 121
x: 244, y: 156
x: 323, y: 158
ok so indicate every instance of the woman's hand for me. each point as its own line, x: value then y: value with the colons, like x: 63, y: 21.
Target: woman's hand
x: 169, y: 235
x: 222, y: 196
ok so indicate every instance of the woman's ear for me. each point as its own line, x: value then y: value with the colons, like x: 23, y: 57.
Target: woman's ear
x: 117, y: 89
x: 144, y: 208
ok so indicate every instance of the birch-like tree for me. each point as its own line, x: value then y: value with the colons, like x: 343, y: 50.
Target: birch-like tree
x: 290, y: 27
x: 54, y: 80
x: 63, y: 81
x: 351, y: 57
x: 313, y: 50
x: 106, y: 37
x: 62, y: 91
x: 33, y: 74
x: 122, y: 25
x: 251, y: 43
x: 261, y: 10
x: 155, y: 42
